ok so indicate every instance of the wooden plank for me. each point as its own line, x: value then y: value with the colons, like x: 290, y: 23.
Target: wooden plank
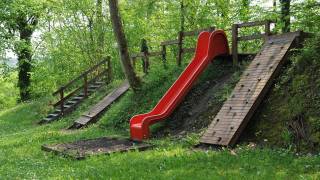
x: 92, y: 115
x: 237, y: 110
x: 170, y: 42
x: 74, y: 92
x: 252, y: 24
x: 142, y: 55
x: 82, y: 75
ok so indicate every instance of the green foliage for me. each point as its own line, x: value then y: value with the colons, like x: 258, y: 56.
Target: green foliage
x: 70, y: 31
x: 8, y: 91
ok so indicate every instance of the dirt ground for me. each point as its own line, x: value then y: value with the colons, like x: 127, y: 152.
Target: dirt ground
x: 201, y: 104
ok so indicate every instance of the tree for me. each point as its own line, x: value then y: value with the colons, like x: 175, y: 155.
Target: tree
x: 20, y: 20
x: 99, y: 24
x: 244, y: 14
x: 285, y: 15
x: 134, y: 81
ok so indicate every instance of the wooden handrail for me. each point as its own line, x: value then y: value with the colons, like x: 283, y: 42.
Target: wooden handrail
x: 82, y: 75
x: 236, y: 39
x: 179, y: 42
x: 78, y: 89
x: 170, y: 42
x: 254, y: 23
x: 86, y: 82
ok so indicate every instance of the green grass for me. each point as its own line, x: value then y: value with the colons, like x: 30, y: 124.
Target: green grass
x: 21, y: 139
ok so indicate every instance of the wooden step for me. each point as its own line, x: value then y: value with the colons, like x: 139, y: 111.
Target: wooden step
x: 71, y: 102
x: 77, y: 98
x: 67, y: 106
x: 99, y: 82
x: 94, y: 86
x: 53, y: 115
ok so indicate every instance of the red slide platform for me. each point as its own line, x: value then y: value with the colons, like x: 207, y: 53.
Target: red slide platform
x: 209, y: 46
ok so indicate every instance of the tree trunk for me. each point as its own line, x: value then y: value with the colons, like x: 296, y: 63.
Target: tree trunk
x: 285, y: 15
x: 24, y: 52
x: 24, y: 59
x: 134, y: 81
x: 182, y: 20
x: 100, y: 24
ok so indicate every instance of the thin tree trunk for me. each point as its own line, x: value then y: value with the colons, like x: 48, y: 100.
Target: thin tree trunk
x: 100, y: 23
x: 285, y: 15
x: 24, y: 60
x: 182, y: 20
x: 134, y: 81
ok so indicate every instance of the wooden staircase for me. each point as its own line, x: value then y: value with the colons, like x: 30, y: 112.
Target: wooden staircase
x: 233, y: 117
x: 79, y: 89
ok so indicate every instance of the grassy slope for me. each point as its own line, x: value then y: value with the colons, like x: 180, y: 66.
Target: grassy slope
x: 295, y: 99
x: 21, y: 139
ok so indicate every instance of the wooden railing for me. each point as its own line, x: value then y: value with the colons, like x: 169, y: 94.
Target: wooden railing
x: 182, y: 35
x: 236, y: 39
x: 177, y: 42
x: 73, y: 87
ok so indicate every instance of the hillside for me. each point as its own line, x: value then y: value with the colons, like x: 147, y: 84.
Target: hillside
x: 289, y: 116
x: 172, y: 157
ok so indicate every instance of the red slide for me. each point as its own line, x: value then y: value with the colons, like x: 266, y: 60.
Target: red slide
x: 209, y: 46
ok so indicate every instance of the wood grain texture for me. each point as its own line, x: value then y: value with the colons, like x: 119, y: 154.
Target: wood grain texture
x: 234, y: 115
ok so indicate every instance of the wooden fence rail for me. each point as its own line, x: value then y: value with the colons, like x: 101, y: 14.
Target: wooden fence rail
x: 163, y: 53
x: 100, y: 70
x: 182, y: 35
x: 236, y: 39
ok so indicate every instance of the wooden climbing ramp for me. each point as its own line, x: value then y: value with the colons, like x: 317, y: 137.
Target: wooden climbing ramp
x: 94, y: 113
x: 254, y: 83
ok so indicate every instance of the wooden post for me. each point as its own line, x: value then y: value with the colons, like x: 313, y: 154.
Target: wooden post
x: 145, y: 58
x: 267, y: 28
x: 146, y: 62
x: 180, y: 48
x: 182, y: 21
x: 109, y: 70
x: 85, y: 85
x: 235, y: 45
x: 62, y: 100
x: 164, y: 56
x: 133, y: 62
